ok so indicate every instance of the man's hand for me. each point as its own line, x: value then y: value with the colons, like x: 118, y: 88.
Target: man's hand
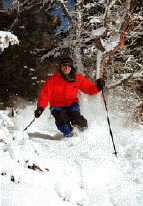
x: 100, y: 84
x: 38, y: 112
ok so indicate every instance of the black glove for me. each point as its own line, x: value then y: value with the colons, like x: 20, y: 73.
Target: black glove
x: 38, y: 112
x: 100, y: 84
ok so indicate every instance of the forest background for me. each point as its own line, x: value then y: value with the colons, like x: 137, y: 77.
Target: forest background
x: 103, y: 37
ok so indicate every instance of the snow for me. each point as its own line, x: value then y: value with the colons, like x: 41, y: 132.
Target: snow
x: 111, y: 43
x: 98, y: 32
x: 89, y: 5
x: 7, y: 38
x: 40, y: 167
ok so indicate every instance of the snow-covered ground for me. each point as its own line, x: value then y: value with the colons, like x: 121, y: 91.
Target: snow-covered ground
x: 39, y: 167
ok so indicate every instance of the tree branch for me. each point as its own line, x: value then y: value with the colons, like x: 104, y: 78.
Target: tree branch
x: 64, y: 9
x: 125, y: 79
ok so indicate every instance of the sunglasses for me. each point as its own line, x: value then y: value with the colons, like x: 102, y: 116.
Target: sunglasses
x: 66, y: 64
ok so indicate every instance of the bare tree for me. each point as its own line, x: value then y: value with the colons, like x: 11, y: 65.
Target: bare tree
x: 101, y: 24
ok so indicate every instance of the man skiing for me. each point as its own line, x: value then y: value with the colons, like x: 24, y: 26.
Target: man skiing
x: 61, y: 90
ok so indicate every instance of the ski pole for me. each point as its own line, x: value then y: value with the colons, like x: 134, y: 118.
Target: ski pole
x: 29, y: 124
x: 109, y: 124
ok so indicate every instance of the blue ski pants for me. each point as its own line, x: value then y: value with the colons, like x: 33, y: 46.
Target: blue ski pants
x: 66, y: 117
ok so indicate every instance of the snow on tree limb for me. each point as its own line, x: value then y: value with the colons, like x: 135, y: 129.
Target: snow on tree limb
x: 7, y: 38
x: 116, y: 83
x: 126, y: 77
x: 138, y: 73
x: 55, y: 52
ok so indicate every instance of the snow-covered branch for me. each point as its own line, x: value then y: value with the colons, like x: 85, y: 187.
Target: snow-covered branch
x: 55, y: 52
x: 126, y: 77
x: 7, y: 38
x: 120, y: 82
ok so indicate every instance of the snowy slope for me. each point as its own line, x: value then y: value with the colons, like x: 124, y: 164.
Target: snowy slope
x: 38, y: 169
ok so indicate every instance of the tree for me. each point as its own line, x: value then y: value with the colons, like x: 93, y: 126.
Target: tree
x: 21, y: 64
x: 1, y: 5
x: 94, y: 24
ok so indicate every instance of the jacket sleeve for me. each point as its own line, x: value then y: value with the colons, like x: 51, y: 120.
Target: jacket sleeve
x: 45, y: 93
x: 87, y: 87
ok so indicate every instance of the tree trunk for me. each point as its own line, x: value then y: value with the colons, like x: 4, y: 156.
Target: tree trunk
x: 98, y: 63
x: 77, y: 48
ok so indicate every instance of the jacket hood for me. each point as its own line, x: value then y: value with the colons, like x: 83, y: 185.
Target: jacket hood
x: 70, y: 76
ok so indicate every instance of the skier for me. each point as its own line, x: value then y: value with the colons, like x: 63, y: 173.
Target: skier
x: 61, y: 90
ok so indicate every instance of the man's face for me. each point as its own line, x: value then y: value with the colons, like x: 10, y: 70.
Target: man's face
x: 66, y: 68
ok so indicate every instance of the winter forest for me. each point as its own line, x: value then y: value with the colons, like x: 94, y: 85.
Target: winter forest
x: 104, y: 38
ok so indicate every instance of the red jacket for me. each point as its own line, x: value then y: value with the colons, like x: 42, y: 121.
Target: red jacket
x: 61, y: 93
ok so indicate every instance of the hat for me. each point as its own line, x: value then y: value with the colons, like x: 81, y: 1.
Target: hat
x: 67, y: 60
